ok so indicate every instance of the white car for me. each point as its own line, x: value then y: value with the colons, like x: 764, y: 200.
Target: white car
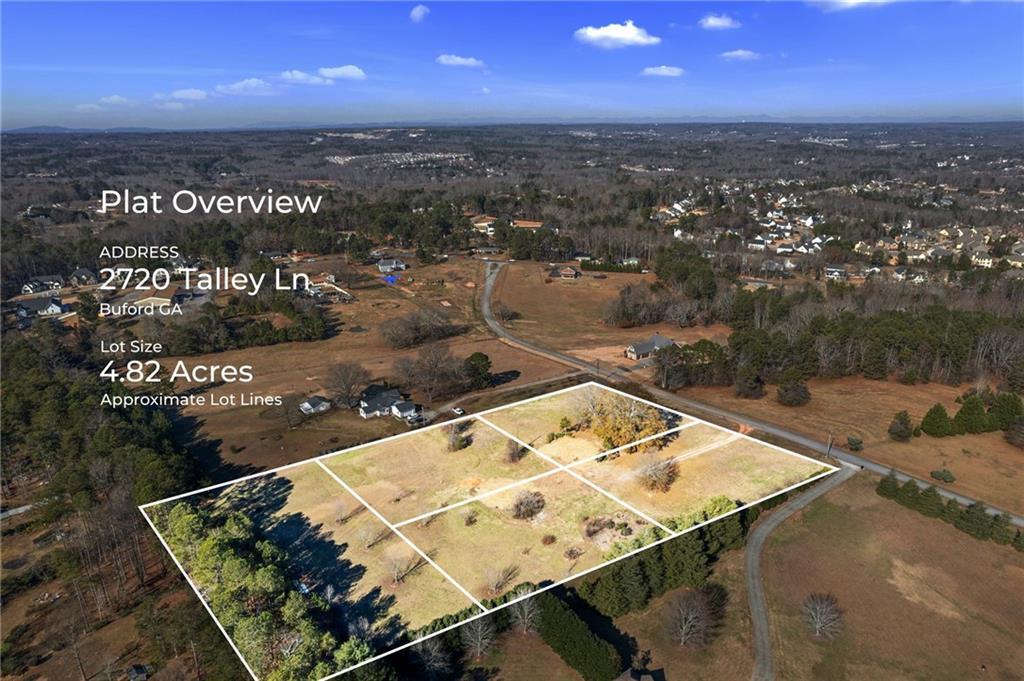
x: 458, y: 411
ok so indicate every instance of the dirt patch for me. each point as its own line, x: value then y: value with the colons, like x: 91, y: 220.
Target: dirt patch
x: 924, y: 585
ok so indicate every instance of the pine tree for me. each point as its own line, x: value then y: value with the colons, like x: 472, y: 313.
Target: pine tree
x: 1006, y: 409
x: 909, y: 495
x: 1018, y: 541
x: 901, y: 429
x: 930, y: 502
x: 686, y: 562
x: 653, y: 563
x: 874, y: 364
x: 608, y: 596
x: 975, y: 521
x: 936, y: 422
x: 952, y: 512
x: 888, y: 486
x: 1001, y: 529
x: 972, y: 417
x: 630, y: 575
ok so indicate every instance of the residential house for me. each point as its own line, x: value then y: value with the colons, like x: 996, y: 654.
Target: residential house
x: 565, y: 272
x: 44, y: 282
x: 391, y: 265
x: 39, y: 307
x: 647, y: 348
x: 834, y: 273
x: 377, y: 400
x: 314, y: 405
x: 159, y: 298
x: 83, y: 277
x: 404, y: 410
x: 528, y: 224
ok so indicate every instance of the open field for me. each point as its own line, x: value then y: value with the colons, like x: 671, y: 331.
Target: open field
x: 537, y: 422
x: 487, y: 550
x: 567, y: 314
x: 707, y: 463
x: 523, y: 657
x: 407, y: 476
x: 986, y: 466
x: 333, y: 540
x: 920, y: 600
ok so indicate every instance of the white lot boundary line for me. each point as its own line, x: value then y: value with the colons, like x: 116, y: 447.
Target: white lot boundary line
x: 582, y: 479
x: 398, y: 532
x: 718, y: 427
x: 202, y: 600
x: 538, y: 476
x: 580, y: 574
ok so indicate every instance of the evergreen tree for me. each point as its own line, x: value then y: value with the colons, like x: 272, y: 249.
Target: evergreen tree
x: 1015, y: 434
x: 1018, y: 541
x: 1001, y: 529
x: 1006, y: 409
x: 909, y: 495
x: 723, y: 534
x: 889, y: 486
x: 901, y: 429
x: 792, y: 391
x: 686, y: 563
x: 653, y: 563
x: 930, y: 502
x: 749, y: 384
x: 972, y: 417
x: 975, y: 521
x: 478, y: 370
x: 630, y: 575
x: 875, y: 362
x: 1015, y: 379
x: 952, y: 512
x: 936, y: 422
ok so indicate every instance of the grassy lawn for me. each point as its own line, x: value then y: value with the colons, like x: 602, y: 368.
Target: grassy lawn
x: 475, y: 542
x: 921, y: 600
x: 407, y: 476
x: 519, y: 657
x: 708, y: 462
x: 332, y: 540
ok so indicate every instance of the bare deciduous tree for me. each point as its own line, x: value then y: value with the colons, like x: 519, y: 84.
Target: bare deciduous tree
x: 657, y: 476
x: 823, y: 616
x: 524, y: 613
x: 433, y: 656
x: 499, y: 578
x: 345, y: 381
x: 401, y: 565
x: 514, y: 451
x: 691, y: 619
x: 477, y: 636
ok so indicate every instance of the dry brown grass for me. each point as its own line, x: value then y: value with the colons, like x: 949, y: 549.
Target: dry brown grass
x: 986, y: 466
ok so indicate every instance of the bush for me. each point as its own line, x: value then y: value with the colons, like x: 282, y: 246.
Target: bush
x: 571, y: 638
x: 527, y: 505
x: 854, y: 444
x: 944, y: 475
x: 972, y: 417
x: 901, y: 429
x: 749, y: 385
x: 793, y: 394
x: 417, y: 327
x: 658, y: 476
x: 889, y: 486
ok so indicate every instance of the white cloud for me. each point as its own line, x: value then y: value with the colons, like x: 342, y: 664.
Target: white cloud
x: 249, y: 87
x: 303, y: 78
x: 115, y: 100
x: 485, y: 90
x: 718, y: 22
x: 346, y: 72
x: 740, y: 55
x: 170, y: 106
x: 456, y: 60
x: 663, y: 71
x: 419, y: 13
x: 88, y: 108
x: 614, y: 36
x: 189, y: 93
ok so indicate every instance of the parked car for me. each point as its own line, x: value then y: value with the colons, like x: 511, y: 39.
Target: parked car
x: 458, y: 411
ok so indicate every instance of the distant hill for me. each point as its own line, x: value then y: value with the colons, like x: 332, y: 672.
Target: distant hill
x: 58, y: 129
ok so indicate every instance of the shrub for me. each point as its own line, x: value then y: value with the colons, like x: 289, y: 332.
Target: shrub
x: 972, y: 417
x: 658, y: 476
x: 749, y: 384
x: 527, y: 505
x: 944, y: 475
x: 855, y: 444
x: 548, y: 539
x: 793, y: 392
x: 889, y: 486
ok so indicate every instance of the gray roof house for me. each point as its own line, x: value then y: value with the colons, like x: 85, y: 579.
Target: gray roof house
x: 39, y: 307
x: 377, y: 400
x: 314, y: 405
x: 390, y: 265
x: 646, y: 348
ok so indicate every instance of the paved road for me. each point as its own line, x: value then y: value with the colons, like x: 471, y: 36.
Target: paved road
x: 686, y: 404
x: 763, y: 668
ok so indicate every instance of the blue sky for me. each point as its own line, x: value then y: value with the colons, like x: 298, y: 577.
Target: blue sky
x: 191, y: 65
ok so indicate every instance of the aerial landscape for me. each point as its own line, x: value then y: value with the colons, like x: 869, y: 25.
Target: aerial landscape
x: 669, y: 341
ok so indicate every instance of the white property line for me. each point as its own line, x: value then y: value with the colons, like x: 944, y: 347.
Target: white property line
x: 580, y: 574
x: 202, y: 600
x: 398, y: 532
x: 558, y: 468
x: 582, y: 479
